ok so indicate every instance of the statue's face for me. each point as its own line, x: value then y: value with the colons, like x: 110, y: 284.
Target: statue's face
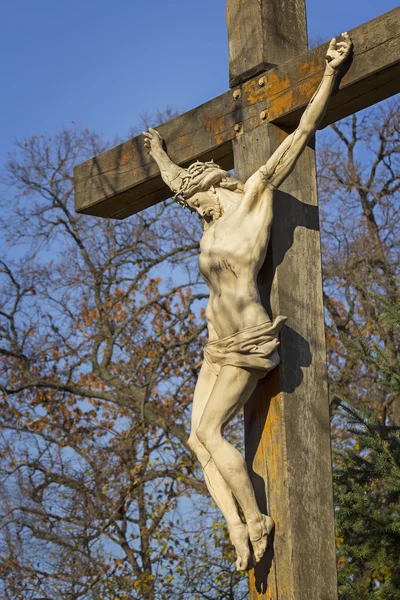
x: 206, y: 204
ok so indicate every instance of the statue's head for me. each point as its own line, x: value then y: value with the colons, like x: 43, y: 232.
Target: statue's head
x: 199, y: 189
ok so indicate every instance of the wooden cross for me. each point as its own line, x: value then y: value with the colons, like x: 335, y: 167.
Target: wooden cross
x: 287, y: 437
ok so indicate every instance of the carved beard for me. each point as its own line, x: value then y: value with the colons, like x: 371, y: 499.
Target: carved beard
x: 217, y: 213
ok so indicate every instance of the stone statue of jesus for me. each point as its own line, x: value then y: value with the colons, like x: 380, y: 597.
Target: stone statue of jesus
x: 243, y: 342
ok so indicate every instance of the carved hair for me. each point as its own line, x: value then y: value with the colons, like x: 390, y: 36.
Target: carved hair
x: 201, y: 177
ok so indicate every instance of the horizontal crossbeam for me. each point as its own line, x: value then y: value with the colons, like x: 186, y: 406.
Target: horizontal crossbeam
x: 125, y: 180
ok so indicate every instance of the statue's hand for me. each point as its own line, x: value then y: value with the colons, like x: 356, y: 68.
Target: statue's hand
x: 338, y: 51
x: 153, y: 141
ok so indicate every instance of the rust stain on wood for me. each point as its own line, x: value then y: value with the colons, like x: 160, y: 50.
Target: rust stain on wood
x: 228, y: 16
x: 217, y: 127
x: 126, y: 156
x: 292, y: 96
x: 253, y: 92
x: 278, y: 80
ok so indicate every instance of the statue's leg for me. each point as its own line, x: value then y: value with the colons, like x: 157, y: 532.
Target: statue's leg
x: 230, y: 392
x: 216, y: 485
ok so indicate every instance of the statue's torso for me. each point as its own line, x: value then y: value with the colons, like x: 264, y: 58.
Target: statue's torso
x: 232, y: 252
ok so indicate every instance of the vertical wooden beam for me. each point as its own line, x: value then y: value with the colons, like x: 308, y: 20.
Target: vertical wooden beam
x: 262, y: 34
x: 287, y: 433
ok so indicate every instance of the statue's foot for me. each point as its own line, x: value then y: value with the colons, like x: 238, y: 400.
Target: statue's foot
x: 259, y: 537
x: 240, y: 539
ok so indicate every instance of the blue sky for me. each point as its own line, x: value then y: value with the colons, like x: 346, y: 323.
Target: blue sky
x: 102, y: 64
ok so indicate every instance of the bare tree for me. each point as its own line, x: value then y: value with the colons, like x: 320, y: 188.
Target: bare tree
x: 359, y: 182
x: 101, y: 325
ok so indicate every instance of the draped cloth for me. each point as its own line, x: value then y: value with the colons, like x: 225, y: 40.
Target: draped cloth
x: 255, y: 347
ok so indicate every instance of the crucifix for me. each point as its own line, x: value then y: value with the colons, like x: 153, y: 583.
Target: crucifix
x: 272, y: 79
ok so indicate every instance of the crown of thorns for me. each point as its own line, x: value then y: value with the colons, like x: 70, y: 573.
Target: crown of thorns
x: 198, y: 177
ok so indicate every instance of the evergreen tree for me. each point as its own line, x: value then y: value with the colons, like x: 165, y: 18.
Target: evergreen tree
x: 367, y: 485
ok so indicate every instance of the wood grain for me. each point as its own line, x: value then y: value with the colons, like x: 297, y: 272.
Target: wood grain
x: 272, y: 31
x: 125, y: 180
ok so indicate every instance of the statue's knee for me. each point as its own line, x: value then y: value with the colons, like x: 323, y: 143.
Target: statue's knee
x: 201, y: 435
x: 198, y: 448
x: 207, y: 437
x: 193, y: 442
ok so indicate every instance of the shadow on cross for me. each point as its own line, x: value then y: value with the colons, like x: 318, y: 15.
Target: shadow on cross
x: 289, y: 213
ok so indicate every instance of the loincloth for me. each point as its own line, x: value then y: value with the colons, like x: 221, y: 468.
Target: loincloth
x: 253, y: 348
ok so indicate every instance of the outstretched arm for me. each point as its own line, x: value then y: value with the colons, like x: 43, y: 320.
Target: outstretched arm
x: 282, y: 162
x: 170, y: 172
